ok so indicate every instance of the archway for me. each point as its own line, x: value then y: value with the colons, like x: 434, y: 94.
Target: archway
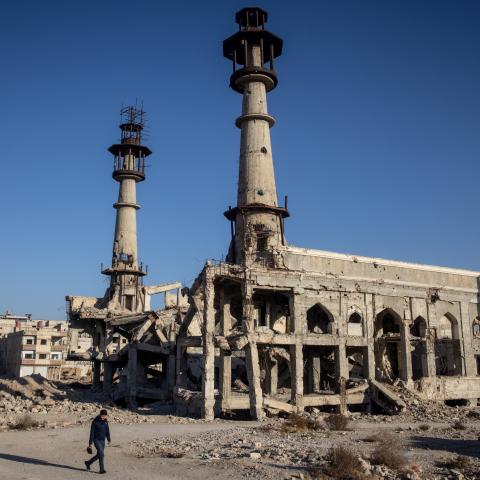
x: 387, y: 341
x: 319, y: 320
x: 447, y: 347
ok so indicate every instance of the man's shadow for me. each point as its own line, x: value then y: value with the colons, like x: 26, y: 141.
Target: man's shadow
x: 35, y: 461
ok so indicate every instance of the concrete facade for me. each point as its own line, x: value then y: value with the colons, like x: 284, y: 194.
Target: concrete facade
x: 314, y: 328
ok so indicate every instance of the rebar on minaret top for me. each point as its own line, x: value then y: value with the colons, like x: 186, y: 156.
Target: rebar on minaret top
x: 258, y: 219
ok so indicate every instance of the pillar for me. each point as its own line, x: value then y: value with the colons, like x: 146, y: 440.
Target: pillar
x: 405, y: 355
x: 107, y: 376
x: 97, y: 370
x: 369, y: 324
x: 271, y: 379
x: 254, y: 386
x: 296, y: 355
x: 430, y: 342
x: 316, y: 373
x: 469, y: 367
x: 171, y: 364
x: 251, y: 355
x: 208, y: 377
x: 225, y: 380
x: 132, y: 376
x: 341, y: 361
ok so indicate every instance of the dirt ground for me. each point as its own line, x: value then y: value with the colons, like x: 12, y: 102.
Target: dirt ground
x: 236, y: 450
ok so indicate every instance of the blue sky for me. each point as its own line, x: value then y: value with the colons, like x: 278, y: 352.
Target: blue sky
x: 376, y: 143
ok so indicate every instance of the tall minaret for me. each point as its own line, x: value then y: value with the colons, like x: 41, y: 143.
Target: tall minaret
x: 257, y: 217
x: 126, y: 272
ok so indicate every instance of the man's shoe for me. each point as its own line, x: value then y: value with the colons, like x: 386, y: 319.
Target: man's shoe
x: 87, y: 465
x: 102, y: 471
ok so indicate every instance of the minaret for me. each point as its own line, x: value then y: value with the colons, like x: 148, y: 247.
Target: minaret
x: 257, y: 217
x: 126, y: 272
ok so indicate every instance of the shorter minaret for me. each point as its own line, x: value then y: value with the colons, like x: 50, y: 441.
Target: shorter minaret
x: 126, y: 273
x: 257, y: 218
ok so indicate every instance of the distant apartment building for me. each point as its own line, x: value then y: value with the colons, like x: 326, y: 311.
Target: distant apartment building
x: 45, y: 347
x: 36, y: 348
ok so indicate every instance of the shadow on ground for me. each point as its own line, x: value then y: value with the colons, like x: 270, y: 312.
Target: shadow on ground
x: 470, y: 448
x: 36, y: 461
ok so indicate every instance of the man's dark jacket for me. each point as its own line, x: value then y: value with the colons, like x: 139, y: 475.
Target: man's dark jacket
x: 99, y: 430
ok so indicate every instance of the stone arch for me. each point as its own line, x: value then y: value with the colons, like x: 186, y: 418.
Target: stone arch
x: 355, y: 324
x: 388, y: 363
x: 319, y: 319
x: 447, y: 328
x: 387, y: 322
x: 448, y: 359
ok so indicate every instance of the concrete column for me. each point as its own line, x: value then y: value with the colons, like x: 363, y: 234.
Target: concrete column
x: 316, y: 373
x: 254, y: 386
x: 296, y: 371
x: 171, y: 365
x: 313, y: 371
x: 225, y: 385
x: 296, y: 355
x: 271, y: 380
x: 469, y: 367
x: 96, y: 374
x: 369, y: 323
x: 132, y: 376
x: 405, y: 355
x: 251, y: 355
x: 107, y: 376
x: 179, y: 367
x: 208, y: 377
x: 341, y: 361
x: 430, y: 343
x: 342, y: 374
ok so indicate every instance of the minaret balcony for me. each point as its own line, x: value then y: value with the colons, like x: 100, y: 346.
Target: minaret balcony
x: 125, y: 269
x: 119, y: 174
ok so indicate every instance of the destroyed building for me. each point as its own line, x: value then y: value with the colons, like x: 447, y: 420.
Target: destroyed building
x: 114, y: 320
x: 276, y: 327
x: 288, y: 328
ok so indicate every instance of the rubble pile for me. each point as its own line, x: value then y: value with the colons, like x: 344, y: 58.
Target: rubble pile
x: 431, y: 411
x: 73, y: 403
x: 239, y: 443
x: 268, y: 451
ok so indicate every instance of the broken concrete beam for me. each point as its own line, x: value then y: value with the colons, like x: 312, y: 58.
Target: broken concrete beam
x: 278, y: 405
x: 222, y: 343
x: 127, y: 319
x: 386, y: 398
x: 237, y: 342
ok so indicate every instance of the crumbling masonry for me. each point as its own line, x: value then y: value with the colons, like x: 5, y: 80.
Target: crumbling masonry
x: 282, y: 328
x: 285, y: 328
x: 123, y: 317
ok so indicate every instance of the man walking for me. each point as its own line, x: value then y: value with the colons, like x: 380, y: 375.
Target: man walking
x: 99, y: 431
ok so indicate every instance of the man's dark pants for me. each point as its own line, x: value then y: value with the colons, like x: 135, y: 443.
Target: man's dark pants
x: 100, y: 446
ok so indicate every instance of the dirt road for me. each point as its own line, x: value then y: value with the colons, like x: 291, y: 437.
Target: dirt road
x: 59, y: 454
